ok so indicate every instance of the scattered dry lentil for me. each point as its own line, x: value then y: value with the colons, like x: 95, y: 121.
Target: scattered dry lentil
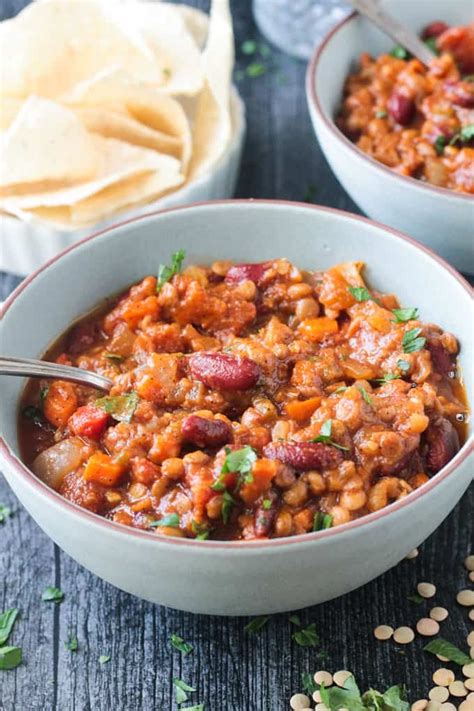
x: 467, y: 705
x: 341, y: 676
x: 426, y: 590
x: 439, y: 693
x: 443, y: 677
x: 457, y: 688
x: 427, y: 627
x: 413, y: 554
x: 465, y: 598
x: 433, y: 706
x: 403, y: 635
x: 471, y: 576
x: 469, y: 684
x: 439, y: 614
x: 471, y: 615
x: 470, y: 639
x: 468, y: 670
x: 419, y: 705
x: 383, y: 632
x: 447, y: 706
x: 469, y: 563
x: 323, y: 677
x: 299, y: 702
x: 317, y: 697
x: 321, y: 707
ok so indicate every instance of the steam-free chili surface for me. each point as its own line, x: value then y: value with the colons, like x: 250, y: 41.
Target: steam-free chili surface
x: 419, y: 121
x: 249, y: 401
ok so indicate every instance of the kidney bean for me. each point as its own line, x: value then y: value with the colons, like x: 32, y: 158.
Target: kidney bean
x: 434, y: 29
x: 242, y: 272
x: 222, y: 371
x: 401, y: 108
x: 460, y: 93
x: 443, y: 443
x: 443, y: 361
x: 263, y: 519
x: 205, y: 432
x: 304, y: 456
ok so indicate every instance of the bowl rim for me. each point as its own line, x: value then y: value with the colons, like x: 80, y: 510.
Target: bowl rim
x: 316, y: 105
x: 55, y: 497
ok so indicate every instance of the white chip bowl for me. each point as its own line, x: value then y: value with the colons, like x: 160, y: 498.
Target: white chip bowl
x: 234, y: 577
x: 440, y: 218
x: 25, y: 246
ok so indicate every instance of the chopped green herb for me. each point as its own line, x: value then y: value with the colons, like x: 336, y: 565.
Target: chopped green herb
x: 10, y: 657
x: 203, y: 536
x: 440, y: 145
x: 179, y: 644
x: 322, y: 521
x: 360, y: 293
x: 249, y: 47
x: 431, y: 43
x: 308, y: 683
x: 171, y: 521
x: 400, y: 52
x: 227, y: 506
x: 5, y: 512
x: 72, y: 644
x: 416, y: 598
x: 180, y: 689
x: 412, y: 341
x: 114, y: 357
x: 325, y: 436
x: 33, y: 414
x: 266, y: 504
x: 307, y: 637
x: 403, y: 315
x: 446, y: 649
x: 120, y: 407
x: 365, y: 395
x: 310, y: 193
x: 255, y: 69
x: 350, y: 697
x: 239, y: 461
x: 387, y: 378
x: 464, y: 135
x: 295, y: 620
x: 341, y: 389
x: 201, y: 531
x: 44, y: 394
x: 256, y: 624
x: 104, y: 658
x: 165, y: 272
x: 403, y: 365
x: 52, y: 594
x: 7, y: 620
x: 199, y: 707
x: 381, y: 114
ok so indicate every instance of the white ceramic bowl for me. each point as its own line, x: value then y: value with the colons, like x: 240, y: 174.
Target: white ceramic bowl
x: 232, y: 578
x: 24, y: 246
x: 440, y: 218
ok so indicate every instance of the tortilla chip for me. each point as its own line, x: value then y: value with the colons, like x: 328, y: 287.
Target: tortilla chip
x: 46, y: 141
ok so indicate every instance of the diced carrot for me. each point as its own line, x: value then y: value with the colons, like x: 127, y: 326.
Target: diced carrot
x: 60, y: 403
x: 263, y: 472
x: 301, y: 410
x: 316, y: 329
x: 102, y: 469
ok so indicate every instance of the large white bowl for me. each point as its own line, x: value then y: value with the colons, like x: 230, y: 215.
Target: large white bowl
x: 25, y: 246
x: 440, y: 218
x: 232, y: 578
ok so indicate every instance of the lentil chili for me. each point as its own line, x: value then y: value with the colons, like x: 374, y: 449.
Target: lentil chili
x: 417, y: 120
x: 249, y: 401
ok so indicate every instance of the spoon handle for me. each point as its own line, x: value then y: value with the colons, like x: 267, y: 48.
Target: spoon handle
x: 42, y: 369
x: 394, y: 29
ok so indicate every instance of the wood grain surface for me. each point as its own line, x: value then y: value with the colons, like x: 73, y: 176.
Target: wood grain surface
x: 231, y: 670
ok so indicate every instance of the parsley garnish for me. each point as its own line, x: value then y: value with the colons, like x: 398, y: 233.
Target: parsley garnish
x: 199, y: 707
x: 165, y: 272
x: 239, y: 461
x: 201, y: 531
x: 387, y: 378
x: 412, y: 341
x: 10, y: 657
x: 446, y: 649
x: 180, y: 689
x: 72, y: 644
x: 325, y: 436
x: 403, y: 315
x: 440, y: 145
x: 52, y: 594
x: 179, y: 644
x: 350, y: 697
x: 464, y: 135
x: 400, y: 52
x: 5, y: 512
x: 7, y: 620
x: 255, y: 69
x: 307, y: 637
x: 403, y: 365
x: 322, y: 521
x: 431, y: 43
x: 308, y: 683
x: 417, y: 599
x: 171, y: 521
x: 360, y: 293
x: 104, y: 658
x: 249, y: 46
x: 266, y: 504
x: 365, y: 395
x: 381, y: 114
x: 44, y: 394
x: 340, y: 389
x: 120, y: 407
x: 227, y: 506
x: 295, y: 620
x: 256, y: 624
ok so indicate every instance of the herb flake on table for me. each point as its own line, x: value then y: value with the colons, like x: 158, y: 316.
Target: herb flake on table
x: 408, y: 314
x: 104, y: 658
x: 324, y: 436
x: 417, y: 599
x: 412, y: 341
x: 307, y: 637
x: 255, y: 69
x: 170, y: 521
x: 446, y: 649
x: 322, y: 521
x: 199, y: 707
x: 5, y: 512
x: 295, y: 620
x: 179, y: 644
x: 120, y: 407
x: 256, y: 624
x: 7, y: 620
x: 10, y: 657
x: 180, y: 689
x: 350, y: 697
x: 52, y: 594
x: 72, y: 644
x: 166, y: 272
x: 308, y: 683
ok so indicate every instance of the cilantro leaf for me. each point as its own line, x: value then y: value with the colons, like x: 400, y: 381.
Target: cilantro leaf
x: 400, y: 52
x: 179, y: 644
x: 417, y: 599
x: 403, y: 365
x: 171, y: 521
x: 255, y: 69
x: 227, y: 506
x: 201, y: 531
x: 10, y: 657
x: 446, y: 649
x: 180, y: 689
x: 365, y: 395
x: 295, y: 620
x: 403, y: 315
x: 256, y: 624
x: 120, y: 407
x: 199, y: 707
x: 322, y: 521
x: 52, y: 594
x: 440, y: 145
x: 431, y: 43
x: 465, y: 135
x: 104, y: 658
x: 325, y: 436
x: 165, y: 272
x: 266, y: 504
x: 5, y: 512
x: 412, y: 341
x: 381, y: 114
x: 394, y: 699
x: 72, y: 644
x: 348, y: 697
x: 239, y: 461
x: 387, y: 378
x: 360, y: 293
x: 308, y: 683
x: 307, y: 637
x: 7, y: 620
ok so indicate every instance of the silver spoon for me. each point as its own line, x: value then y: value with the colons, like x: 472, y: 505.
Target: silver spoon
x: 42, y: 369
x: 394, y: 29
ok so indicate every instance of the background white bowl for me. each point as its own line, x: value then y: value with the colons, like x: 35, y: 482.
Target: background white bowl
x: 440, y: 218
x: 24, y: 246
x: 215, y: 577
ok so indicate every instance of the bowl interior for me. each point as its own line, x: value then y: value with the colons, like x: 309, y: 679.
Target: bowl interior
x: 311, y: 237
x: 358, y: 35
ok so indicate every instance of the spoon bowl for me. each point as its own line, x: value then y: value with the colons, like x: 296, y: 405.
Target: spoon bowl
x: 33, y: 368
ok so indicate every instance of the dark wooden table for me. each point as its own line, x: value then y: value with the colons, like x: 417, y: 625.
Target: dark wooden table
x: 230, y: 670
